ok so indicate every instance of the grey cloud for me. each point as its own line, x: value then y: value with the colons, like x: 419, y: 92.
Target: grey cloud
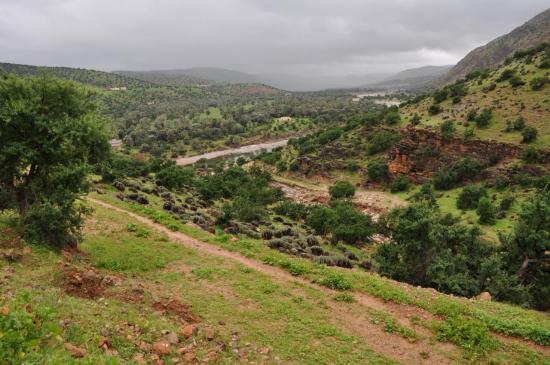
x: 295, y: 36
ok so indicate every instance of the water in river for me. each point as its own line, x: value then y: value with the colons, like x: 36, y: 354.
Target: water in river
x: 251, y: 148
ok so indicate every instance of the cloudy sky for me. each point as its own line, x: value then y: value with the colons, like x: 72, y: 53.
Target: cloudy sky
x: 308, y: 37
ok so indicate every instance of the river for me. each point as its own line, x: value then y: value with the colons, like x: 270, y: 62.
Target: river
x: 251, y: 148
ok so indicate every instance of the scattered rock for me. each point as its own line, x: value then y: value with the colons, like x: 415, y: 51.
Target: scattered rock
x: 484, y: 296
x: 75, y: 351
x: 162, y: 348
x: 140, y: 359
x: 210, y: 333
x: 188, y: 330
x: 172, y: 338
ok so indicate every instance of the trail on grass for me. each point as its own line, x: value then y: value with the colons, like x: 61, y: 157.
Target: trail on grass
x: 423, y: 351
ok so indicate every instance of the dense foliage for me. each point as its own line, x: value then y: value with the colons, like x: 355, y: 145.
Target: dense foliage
x: 50, y: 134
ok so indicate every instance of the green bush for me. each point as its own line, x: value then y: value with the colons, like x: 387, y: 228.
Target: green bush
x: 292, y: 210
x: 175, y: 177
x: 342, y: 190
x: 377, y: 170
x: 435, y: 109
x: 537, y: 83
x: 444, y: 179
x: 470, y: 334
x: 335, y: 281
x: 516, y: 81
x: 506, y: 74
x: 447, y: 130
x: 381, y: 141
x: 519, y: 123
x: 469, y: 196
x: 425, y: 194
x: 400, y: 183
x: 483, y: 119
x: 486, y: 211
x: 529, y: 134
x: 530, y: 154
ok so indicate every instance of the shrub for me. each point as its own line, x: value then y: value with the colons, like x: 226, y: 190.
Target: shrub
x: 321, y: 219
x: 470, y: 334
x: 530, y: 155
x: 174, y: 177
x: 415, y: 120
x: 529, y: 134
x: 341, y: 190
x: 506, y: 203
x: 469, y: 196
x: 430, y: 249
x: 381, y: 141
x: 469, y: 133
x: 444, y: 179
x: 484, y: 118
x: 392, y: 118
x: 447, y: 130
x: 440, y: 95
x: 400, y: 183
x: 329, y: 135
x: 471, y: 116
x: 335, y: 281
x: 486, y: 211
x: 516, y: 81
x: 292, y: 210
x: 377, y: 170
x: 425, y: 194
x: 519, y: 123
x: 538, y: 83
x: 435, y: 109
x: 506, y: 74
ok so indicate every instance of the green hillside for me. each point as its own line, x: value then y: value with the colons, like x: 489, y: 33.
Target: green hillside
x: 519, y: 88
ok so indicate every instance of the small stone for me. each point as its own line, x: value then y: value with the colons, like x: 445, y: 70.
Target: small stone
x: 172, y: 338
x: 162, y: 348
x: 75, y: 351
x: 484, y: 296
x: 188, y: 331
x: 189, y: 357
x: 139, y: 359
x: 210, y: 334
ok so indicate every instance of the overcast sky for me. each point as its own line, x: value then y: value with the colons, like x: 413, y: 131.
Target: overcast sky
x: 309, y: 37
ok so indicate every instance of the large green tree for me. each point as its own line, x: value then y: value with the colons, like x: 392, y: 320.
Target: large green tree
x: 50, y: 135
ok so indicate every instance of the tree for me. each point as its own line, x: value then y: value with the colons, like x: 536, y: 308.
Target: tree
x: 174, y: 177
x: 469, y: 196
x: 486, y: 211
x: 400, y: 183
x: 430, y: 249
x: 50, y: 135
x: 341, y: 190
x: 526, y: 250
x: 377, y: 170
x: 447, y: 129
x: 529, y: 134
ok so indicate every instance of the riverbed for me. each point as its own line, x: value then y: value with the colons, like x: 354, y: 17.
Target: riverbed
x: 251, y: 148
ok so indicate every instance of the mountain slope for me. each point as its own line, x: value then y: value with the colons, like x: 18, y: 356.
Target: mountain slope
x: 530, y: 34
x: 414, y: 78
x: 516, y: 90
x: 91, y: 77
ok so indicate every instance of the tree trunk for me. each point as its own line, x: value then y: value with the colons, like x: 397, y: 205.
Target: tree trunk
x: 22, y: 202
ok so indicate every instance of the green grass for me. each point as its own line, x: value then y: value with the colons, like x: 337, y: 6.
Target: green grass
x: 527, y: 324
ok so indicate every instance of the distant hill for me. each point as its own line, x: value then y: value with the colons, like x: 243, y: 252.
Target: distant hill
x: 91, y: 77
x: 165, y: 77
x: 530, y: 34
x: 414, y: 78
x: 215, y: 74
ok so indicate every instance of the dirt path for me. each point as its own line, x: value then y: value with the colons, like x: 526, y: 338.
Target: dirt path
x: 354, y: 317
